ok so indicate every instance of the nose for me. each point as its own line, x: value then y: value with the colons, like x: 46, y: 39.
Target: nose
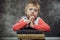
x: 32, y: 14
x: 32, y: 11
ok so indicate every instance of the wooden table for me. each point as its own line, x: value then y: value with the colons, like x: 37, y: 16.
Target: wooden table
x: 31, y: 36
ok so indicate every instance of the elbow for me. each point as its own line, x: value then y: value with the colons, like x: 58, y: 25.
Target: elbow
x: 47, y: 29
x: 14, y: 28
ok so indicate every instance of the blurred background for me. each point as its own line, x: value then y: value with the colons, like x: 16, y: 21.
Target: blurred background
x: 12, y: 10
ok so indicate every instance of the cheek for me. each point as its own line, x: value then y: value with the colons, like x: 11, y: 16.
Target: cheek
x: 36, y: 13
x: 28, y: 11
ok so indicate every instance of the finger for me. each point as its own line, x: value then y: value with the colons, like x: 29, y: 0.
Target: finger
x: 31, y: 17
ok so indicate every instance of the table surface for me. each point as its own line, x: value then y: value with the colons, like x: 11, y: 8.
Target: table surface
x: 31, y: 36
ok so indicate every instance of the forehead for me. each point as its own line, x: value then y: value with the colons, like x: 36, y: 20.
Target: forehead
x: 32, y: 6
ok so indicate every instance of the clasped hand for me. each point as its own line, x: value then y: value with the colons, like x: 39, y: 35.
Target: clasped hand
x: 31, y: 21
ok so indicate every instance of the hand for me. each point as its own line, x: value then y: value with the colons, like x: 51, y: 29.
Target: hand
x: 28, y: 21
x: 32, y: 18
x: 31, y: 24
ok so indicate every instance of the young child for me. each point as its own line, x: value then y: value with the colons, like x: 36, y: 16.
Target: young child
x: 31, y: 21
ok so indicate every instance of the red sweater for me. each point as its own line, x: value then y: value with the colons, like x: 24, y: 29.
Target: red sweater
x: 39, y: 25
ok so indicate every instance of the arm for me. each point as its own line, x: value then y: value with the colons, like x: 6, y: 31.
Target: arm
x: 42, y: 25
x: 19, y: 25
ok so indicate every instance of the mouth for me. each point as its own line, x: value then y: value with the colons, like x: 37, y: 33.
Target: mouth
x: 34, y: 16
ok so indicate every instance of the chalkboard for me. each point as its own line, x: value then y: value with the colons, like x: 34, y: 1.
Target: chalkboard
x: 12, y: 10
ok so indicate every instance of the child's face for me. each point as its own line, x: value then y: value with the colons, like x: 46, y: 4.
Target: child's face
x: 31, y: 10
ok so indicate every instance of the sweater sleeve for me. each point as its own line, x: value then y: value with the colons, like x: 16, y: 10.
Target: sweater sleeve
x: 42, y: 25
x: 20, y: 24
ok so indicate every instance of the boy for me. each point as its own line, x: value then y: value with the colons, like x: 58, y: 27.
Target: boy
x: 31, y: 21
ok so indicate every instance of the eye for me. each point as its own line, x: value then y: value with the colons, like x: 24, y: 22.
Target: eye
x: 30, y: 9
x: 35, y: 10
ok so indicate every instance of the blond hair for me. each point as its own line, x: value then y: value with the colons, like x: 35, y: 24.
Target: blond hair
x: 35, y: 3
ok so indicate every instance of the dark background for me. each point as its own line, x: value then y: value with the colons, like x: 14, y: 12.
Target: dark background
x: 12, y: 10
